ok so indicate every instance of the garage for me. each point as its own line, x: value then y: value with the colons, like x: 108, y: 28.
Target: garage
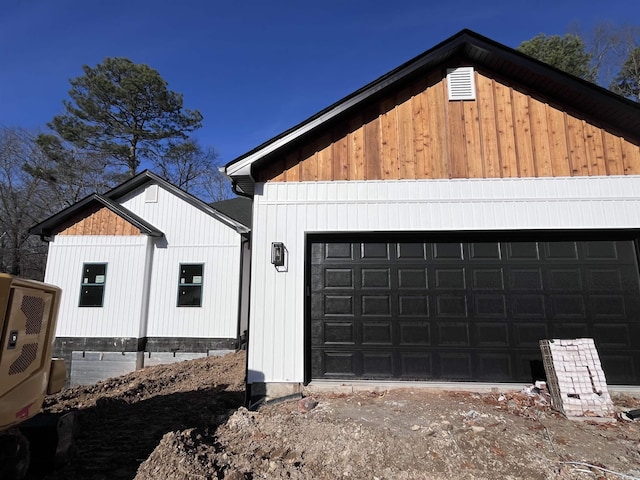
x: 468, y: 307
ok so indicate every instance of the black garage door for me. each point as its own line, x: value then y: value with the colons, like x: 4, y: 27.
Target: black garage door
x: 409, y: 309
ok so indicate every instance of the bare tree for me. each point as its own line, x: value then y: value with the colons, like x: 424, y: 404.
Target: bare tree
x: 194, y: 169
x: 24, y: 200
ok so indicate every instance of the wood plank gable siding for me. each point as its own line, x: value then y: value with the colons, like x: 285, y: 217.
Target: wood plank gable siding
x: 100, y: 222
x: 417, y: 133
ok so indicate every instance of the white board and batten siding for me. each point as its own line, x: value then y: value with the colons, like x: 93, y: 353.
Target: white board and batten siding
x: 191, y: 236
x: 286, y: 212
x: 121, y: 310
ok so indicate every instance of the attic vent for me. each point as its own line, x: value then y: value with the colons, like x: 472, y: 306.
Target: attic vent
x: 151, y: 194
x: 461, y: 83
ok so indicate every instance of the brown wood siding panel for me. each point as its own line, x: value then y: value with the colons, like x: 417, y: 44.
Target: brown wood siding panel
x: 406, y: 152
x: 434, y: 125
x: 355, y: 140
x: 577, y: 148
x: 612, y: 153
x: 594, y: 150
x: 473, y: 140
x: 457, y: 150
x: 489, y: 128
x: 309, y: 163
x: 101, y: 222
x: 522, y: 121
x: 631, y: 158
x: 373, y: 162
x: 340, y: 153
x: 558, y: 146
x: 325, y: 158
x: 389, y: 138
x: 540, y: 138
x: 418, y: 133
x: 292, y: 165
x: 506, y: 131
x: 418, y: 115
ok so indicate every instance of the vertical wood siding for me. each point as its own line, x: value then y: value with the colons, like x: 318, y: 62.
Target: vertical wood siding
x: 100, y: 222
x: 418, y: 133
x: 286, y: 212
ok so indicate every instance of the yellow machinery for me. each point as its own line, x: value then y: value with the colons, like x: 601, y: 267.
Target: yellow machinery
x: 29, y: 311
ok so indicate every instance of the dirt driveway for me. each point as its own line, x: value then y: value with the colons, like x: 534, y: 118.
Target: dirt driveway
x: 185, y: 421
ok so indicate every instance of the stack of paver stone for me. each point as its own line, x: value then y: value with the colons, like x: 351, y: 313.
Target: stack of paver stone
x: 575, y: 378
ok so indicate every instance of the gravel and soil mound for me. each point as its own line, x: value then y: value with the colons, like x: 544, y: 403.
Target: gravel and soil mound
x: 186, y: 421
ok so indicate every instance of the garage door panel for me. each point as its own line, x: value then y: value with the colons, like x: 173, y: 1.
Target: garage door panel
x: 567, y: 306
x: 564, y: 279
x: 487, y: 278
x: 375, y: 251
x: 338, y: 304
x: 414, y: 333
x: 377, y: 333
x: 338, y: 278
x: 376, y: 305
x: 525, y: 278
x: 490, y: 306
x: 452, y: 310
x: 411, y: 251
x: 447, y: 251
x: 528, y: 334
x: 416, y: 365
x: 569, y: 330
x: 338, y: 333
x: 375, y: 278
x: 620, y: 369
x: 611, y: 335
x: 528, y: 306
x: 485, y: 251
x: 413, y: 305
x: 455, y: 366
x: 377, y: 364
x: 490, y: 334
x: 451, y: 306
x: 412, y: 278
x: 494, y: 367
x: 453, y: 334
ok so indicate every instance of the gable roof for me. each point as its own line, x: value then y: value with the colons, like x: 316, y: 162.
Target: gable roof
x: 150, y: 177
x: 571, y: 92
x: 110, y: 200
x: 47, y: 227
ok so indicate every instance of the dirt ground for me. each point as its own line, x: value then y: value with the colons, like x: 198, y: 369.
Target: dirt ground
x: 185, y: 421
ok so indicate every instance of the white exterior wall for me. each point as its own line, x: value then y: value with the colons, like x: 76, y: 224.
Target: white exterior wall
x: 191, y: 236
x: 120, y: 314
x: 285, y: 212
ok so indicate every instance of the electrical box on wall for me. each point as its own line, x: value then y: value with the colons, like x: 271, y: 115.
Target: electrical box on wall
x: 277, y: 254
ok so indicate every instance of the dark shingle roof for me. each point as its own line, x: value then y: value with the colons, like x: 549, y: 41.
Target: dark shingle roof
x: 239, y: 209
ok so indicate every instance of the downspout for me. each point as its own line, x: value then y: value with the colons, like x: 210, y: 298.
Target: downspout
x: 144, y: 308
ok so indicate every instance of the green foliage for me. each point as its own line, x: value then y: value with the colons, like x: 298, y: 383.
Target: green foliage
x: 627, y: 82
x: 567, y: 52
x: 123, y: 111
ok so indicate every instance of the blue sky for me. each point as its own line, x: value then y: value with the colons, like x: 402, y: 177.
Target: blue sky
x: 253, y: 68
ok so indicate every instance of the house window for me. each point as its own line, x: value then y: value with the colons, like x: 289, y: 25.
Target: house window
x: 190, y: 286
x: 92, y: 290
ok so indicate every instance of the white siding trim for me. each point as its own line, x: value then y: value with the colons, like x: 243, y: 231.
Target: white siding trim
x: 286, y: 212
